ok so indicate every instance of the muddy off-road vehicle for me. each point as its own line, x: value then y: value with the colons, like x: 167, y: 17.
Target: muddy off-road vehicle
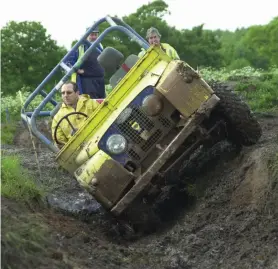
x: 158, y: 113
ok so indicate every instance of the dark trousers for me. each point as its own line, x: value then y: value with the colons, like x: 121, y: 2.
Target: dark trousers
x: 94, y: 87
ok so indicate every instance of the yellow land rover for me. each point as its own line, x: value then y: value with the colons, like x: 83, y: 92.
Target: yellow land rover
x: 158, y: 113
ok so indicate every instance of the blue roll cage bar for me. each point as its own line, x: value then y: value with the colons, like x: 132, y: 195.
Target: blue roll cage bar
x: 30, y: 117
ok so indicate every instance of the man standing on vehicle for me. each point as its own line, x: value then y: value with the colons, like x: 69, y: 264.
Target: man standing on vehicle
x: 153, y: 36
x: 90, y: 75
x: 72, y: 102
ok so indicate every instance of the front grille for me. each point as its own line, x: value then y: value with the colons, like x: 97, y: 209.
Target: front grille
x: 133, y: 155
x: 152, y: 140
x: 133, y: 127
x: 165, y: 122
x: 141, y: 131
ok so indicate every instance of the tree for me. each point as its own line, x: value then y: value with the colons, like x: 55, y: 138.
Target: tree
x: 232, y: 48
x: 28, y: 55
x: 255, y: 46
x: 200, y: 47
x: 145, y: 17
x: 260, y: 43
x: 196, y: 46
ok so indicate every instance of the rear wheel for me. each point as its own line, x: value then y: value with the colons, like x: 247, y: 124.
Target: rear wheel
x: 242, y: 126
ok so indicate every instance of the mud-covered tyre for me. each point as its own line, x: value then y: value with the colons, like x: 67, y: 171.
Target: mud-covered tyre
x: 242, y: 126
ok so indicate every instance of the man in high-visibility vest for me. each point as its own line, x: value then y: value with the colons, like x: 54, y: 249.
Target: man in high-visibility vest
x: 90, y: 75
x: 153, y: 36
x: 72, y: 102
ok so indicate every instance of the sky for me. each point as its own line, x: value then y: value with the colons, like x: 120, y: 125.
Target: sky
x: 65, y: 21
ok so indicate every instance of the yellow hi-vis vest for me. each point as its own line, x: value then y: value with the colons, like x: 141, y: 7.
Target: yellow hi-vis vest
x: 81, y: 52
x: 169, y: 50
x: 84, y: 105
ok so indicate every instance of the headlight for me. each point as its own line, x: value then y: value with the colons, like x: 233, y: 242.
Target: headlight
x: 116, y: 144
x: 124, y: 115
x: 152, y: 105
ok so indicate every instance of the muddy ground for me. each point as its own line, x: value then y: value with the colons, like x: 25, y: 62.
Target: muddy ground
x: 231, y: 223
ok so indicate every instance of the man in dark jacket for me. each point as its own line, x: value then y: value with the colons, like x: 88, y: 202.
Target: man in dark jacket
x: 90, y: 75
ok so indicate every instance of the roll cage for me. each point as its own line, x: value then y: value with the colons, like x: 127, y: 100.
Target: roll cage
x: 30, y: 117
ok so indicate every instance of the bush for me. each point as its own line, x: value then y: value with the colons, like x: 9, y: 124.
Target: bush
x: 8, y: 133
x: 224, y: 74
x: 263, y: 98
x: 262, y: 95
x: 257, y: 87
x: 11, y: 105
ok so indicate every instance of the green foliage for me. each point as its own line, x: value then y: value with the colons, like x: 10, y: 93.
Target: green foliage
x: 262, y: 95
x: 8, y: 133
x: 12, y: 105
x: 256, y: 86
x: 28, y: 54
x: 255, y: 46
x: 198, y: 47
x: 16, y: 181
x: 260, y: 43
x: 224, y: 74
x: 231, y: 47
x: 239, y: 63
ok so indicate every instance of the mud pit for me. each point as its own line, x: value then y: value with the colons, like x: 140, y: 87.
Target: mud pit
x: 231, y: 224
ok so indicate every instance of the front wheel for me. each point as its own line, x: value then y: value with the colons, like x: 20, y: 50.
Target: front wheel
x: 242, y: 126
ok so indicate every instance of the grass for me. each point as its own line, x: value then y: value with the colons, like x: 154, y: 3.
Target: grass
x: 24, y: 239
x: 262, y: 95
x: 257, y: 87
x: 7, y: 133
x: 16, y: 183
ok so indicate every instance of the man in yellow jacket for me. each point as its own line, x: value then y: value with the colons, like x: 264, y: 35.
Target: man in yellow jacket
x: 72, y: 102
x: 153, y: 36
